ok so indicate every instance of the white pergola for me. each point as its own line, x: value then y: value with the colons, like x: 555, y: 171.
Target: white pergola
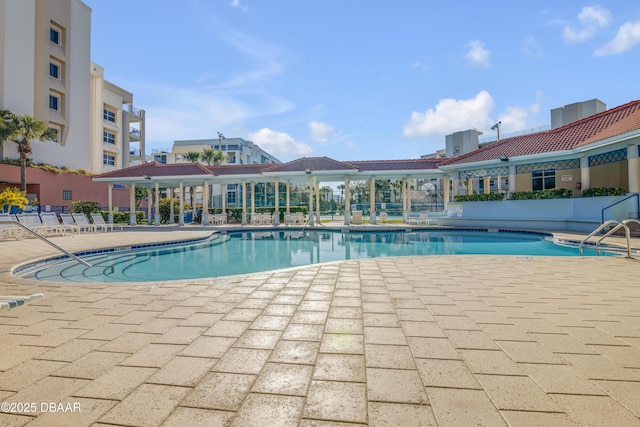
x: 314, y: 170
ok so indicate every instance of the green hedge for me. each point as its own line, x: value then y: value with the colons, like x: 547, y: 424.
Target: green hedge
x: 123, y: 217
x: 479, y: 197
x: 561, y: 193
x: 603, y: 191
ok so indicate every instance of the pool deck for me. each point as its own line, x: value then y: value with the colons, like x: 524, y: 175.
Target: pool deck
x: 412, y: 341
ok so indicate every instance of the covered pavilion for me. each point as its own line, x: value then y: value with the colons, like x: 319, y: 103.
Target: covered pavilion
x: 314, y: 170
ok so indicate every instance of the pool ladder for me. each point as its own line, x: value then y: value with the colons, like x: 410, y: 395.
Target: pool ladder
x: 69, y: 254
x: 617, y: 225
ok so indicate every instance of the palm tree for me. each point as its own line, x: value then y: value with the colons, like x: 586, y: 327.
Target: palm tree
x: 212, y: 157
x: 22, y: 130
x: 192, y: 157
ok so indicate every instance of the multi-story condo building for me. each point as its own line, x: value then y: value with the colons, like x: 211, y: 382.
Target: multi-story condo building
x: 46, y: 72
x: 236, y: 150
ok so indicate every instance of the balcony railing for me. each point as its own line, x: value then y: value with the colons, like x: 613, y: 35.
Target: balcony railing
x: 134, y: 152
x: 490, y: 138
x: 135, y: 132
x: 133, y: 110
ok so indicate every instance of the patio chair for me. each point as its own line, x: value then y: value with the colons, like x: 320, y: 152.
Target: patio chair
x: 98, y: 221
x: 10, y: 231
x: 82, y: 221
x: 8, y: 302
x: 68, y: 221
x: 52, y: 224
x: 423, y: 218
x: 288, y: 218
x: 32, y: 221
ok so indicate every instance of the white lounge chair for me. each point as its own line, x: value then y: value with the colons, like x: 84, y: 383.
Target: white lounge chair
x: 32, y: 221
x: 423, y: 218
x: 52, y: 223
x: 98, y: 221
x: 10, y: 231
x: 8, y: 302
x: 68, y: 221
x: 83, y: 222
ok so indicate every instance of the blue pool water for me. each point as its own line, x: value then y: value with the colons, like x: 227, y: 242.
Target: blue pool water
x: 249, y: 252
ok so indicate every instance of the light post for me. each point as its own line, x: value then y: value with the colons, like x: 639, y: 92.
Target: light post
x: 221, y: 137
x: 496, y: 127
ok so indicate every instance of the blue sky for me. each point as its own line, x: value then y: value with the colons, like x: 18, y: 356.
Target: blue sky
x: 361, y: 80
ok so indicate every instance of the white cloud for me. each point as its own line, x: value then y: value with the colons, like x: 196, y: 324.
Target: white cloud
x: 280, y: 144
x: 516, y: 118
x: 477, y: 54
x: 531, y: 47
x: 352, y: 145
x: 628, y: 36
x: 591, y: 18
x: 451, y: 115
x: 238, y: 5
x: 320, y: 132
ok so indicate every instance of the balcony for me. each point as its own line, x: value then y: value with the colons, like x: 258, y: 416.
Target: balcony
x: 135, y: 133
x: 132, y: 110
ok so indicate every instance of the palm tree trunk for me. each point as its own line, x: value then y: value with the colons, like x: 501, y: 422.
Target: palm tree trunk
x: 23, y: 174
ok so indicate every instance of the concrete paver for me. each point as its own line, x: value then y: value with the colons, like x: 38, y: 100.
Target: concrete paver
x: 416, y: 341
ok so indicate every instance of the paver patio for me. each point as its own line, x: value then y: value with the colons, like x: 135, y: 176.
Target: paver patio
x: 415, y: 341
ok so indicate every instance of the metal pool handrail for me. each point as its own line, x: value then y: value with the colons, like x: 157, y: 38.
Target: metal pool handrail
x: 618, y: 202
x: 69, y: 254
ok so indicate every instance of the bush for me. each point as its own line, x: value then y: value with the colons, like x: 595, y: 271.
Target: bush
x: 603, y: 191
x: 561, y: 193
x: 479, y: 197
x: 86, y: 208
x: 123, y: 217
x: 165, y: 210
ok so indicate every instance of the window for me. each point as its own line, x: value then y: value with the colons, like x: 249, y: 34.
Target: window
x: 54, y: 102
x: 66, y: 195
x: 161, y: 159
x: 543, y: 179
x: 54, y: 70
x: 456, y: 150
x: 108, y: 159
x: 108, y: 137
x: 57, y: 132
x: 54, y: 35
x: 109, y: 115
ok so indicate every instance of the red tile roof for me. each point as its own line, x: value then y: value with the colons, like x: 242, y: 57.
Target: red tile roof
x: 314, y: 164
x: 610, y: 123
x: 396, y: 165
x: 155, y: 169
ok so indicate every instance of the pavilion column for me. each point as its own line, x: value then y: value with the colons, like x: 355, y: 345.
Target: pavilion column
x: 205, y: 203
x: 110, y: 196
x: 487, y: 184
x: 455, y: 185
x: 585, y: 173
x: 172, y: 214
x: 132, y: 204
x: 253, y: 200
x: 317, y: 202
x: 223, y: 198
x: 276, y: 213
x: 244, y: 202
x: 181, y: 209
x: 149, y: 205
x: 372, y: 200
x: 633, y: 165
x: 347, y: 201
x: 405, y: 212
x: 156, y: 217
x: 288, y: 195
x: 409, y: 194
x: 447, y: 192
x: 310, y: 200
x: 469, y: 185
x: 512, y: 178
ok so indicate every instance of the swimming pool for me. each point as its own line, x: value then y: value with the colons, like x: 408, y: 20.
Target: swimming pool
x: 224, y: 254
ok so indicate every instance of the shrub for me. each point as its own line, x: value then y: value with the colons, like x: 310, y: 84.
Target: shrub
x: 86, y: 208
x: 13, y: 196
x: 479, y: 197
x: 123, y: 217
x: 561, y: 193
x: 603, y: 191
